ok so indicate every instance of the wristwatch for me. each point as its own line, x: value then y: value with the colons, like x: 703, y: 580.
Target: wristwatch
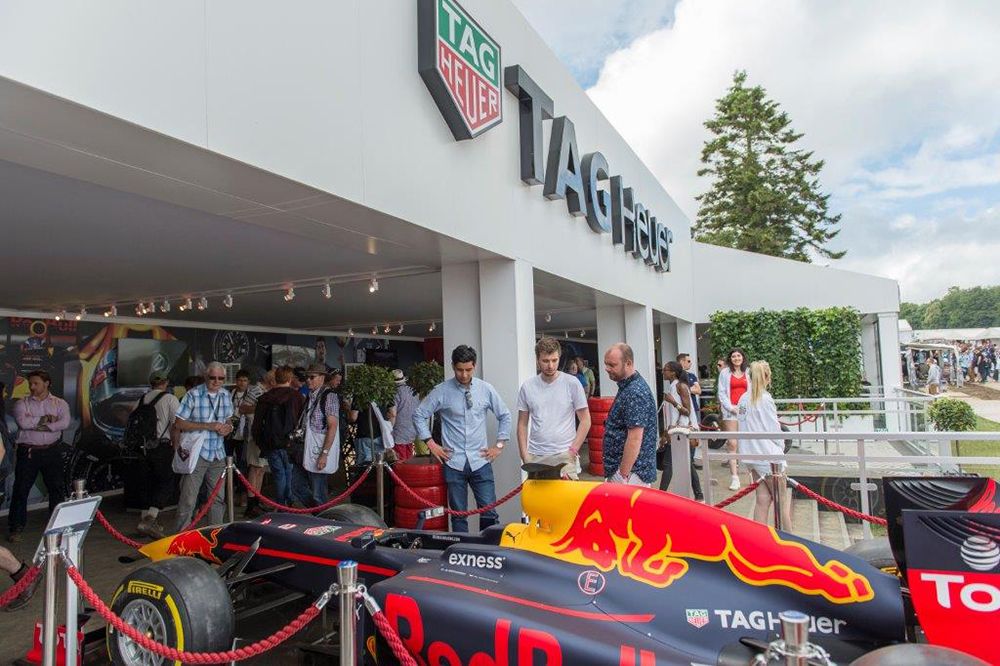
x: 500, y: 445
x: 324, y: 452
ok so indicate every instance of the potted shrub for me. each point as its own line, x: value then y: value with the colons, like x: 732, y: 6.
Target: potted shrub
x: 951, y: 415
x: 422, y: 378
x: 368, y: 384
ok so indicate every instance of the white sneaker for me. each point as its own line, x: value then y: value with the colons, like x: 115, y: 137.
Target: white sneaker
x: 734, y: 482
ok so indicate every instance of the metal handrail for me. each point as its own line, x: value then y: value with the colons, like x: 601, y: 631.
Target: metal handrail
x: 682, y: 470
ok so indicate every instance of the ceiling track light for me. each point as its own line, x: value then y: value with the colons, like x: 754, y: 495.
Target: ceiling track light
x: 202, y: 303
x: 165, y: 306
x: 581, y: 332
x: 400, y: 329
x: 227, y: 300
x: 290, y: 294
x: 565, y: 334
x: 386, y: 329
x: 60, y: 315
x: 327, y: 291
x: 373, y: 285
x: 432, y: 327
x: 188, y: 305
x: 548, y: 317
x: 350, y: 332
x: 374, y: 330
x: 112, y: 311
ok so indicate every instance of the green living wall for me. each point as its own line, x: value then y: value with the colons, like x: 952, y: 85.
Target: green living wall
x: 812, y: 353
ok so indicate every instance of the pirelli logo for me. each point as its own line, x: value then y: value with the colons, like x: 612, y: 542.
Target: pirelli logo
x: 145, y: 589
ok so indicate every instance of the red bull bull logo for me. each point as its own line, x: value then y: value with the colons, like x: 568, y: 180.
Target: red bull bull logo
x: 649, y: 536
x: 195, y: 544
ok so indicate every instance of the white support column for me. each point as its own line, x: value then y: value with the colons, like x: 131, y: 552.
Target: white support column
x: 610, y: 329
x: 460, y: 300
x: 668, y: 342
x: 889, y: 359
x: 639, y: 335
x: 687, y: 342
x: 507, y: 307
x: 869, y: 350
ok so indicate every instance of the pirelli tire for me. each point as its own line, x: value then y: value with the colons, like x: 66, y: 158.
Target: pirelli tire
x: 353, y: 514
x: 602, y: 405
x: 916, y: 654
x: 438, y: 495
x: 595, y: 443
x: 596, y: 432
x: 420, y: 472
x: 596, y: 469
x: 181, y: 602
x: 876, y: 552
x: 598, y: 418
x: 595, y: 457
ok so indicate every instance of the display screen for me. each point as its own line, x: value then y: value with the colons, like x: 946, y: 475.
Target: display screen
x: 138, y: 358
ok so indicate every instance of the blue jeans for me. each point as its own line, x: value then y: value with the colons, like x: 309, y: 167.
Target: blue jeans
x: 281, y: 468
x: 308, y: 487
x: 483, y: 490
x: 368, y: 447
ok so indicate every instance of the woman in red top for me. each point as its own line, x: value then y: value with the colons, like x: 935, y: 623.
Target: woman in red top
x: 733, y: 383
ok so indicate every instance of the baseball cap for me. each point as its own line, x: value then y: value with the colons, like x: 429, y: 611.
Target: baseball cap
x: 157, y: 376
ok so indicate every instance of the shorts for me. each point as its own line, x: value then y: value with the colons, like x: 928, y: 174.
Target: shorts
x: 252, y: 453
x: 763, y: 468
x: 571, y: 464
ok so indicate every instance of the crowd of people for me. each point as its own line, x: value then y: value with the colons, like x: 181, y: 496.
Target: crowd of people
x: 979, y: 361
x: 291, y: 422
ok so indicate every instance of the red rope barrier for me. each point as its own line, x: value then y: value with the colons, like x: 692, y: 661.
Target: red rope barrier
x: 805, y: 419
x: 20, y: 586
x: 392, y: 638
x: 316, y: 509
x: 740, y: 495
x: 843, y: 509
x: 208, y: 502
x: 239, y: 654
x: 115, y: 533
x: 452, y: 512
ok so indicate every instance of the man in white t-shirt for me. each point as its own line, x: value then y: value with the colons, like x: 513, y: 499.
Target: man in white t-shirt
x: 159, y: 479
x: 551, y: 402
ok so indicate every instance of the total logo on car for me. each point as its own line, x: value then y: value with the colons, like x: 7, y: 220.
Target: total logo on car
x: 476, y: 561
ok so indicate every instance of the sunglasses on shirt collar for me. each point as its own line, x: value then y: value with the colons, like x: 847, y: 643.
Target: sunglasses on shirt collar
x: 468, y: 400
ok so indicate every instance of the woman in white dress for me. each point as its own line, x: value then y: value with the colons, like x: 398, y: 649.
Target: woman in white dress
x: 758, y: 413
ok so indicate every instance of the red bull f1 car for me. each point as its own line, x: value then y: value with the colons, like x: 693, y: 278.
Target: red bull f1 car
x: 602, y: 574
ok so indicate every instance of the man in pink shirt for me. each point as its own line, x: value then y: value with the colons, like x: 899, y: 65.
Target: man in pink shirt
x: 41, y: 419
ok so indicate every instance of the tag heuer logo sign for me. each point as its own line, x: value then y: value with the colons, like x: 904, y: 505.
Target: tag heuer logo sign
x: 460, y: 64
x: 697, y: 617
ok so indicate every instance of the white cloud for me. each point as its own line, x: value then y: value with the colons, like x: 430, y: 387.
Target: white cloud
x: 900, y: 99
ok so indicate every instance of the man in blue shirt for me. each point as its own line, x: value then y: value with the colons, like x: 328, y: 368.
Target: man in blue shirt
x: 207, y: 407
x: 629, y: 446
x: 462, y: 403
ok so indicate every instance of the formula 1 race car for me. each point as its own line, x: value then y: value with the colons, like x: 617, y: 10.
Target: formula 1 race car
x: 601, y: 574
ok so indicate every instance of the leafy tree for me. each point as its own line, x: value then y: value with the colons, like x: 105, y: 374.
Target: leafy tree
x: 765, y: 194
x: 977, y: 307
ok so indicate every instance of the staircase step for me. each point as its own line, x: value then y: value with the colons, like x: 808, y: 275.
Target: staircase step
x: 805, y: 519
x: 855, y: 531
x: 833, y: 530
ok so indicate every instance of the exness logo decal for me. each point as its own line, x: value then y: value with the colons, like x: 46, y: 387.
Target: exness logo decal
x: 476, y: 561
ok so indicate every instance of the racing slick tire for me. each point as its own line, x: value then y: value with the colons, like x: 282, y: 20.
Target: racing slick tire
x: 437, y: 495
x: 597, y: 469
x: 875, y: 552
x: 598, y: 418
x: 407, y: 518
x: 595, y: 443
x: 596, y: 432
x: 917, y: 654
x: 596, y: 457
x: 181, y: 602
x: 420, y: 472
x: 354, y: 514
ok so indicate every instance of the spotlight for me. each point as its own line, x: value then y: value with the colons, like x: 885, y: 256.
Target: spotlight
x: 373, y: 285
x: 581, y: 333
x: 432, y: 327
x: 165, y: 306
x: 227, y: 300
x: 386, y: 329
x: 187, y: 305
x: 374, y: 330
x: 114, y: 310
x: 565, y: 334
x: 80, y: 315
x: 289, y: 294
x: 60, y: 315
x: 140, y: 310
x: 400, y: 328
x: 202, y: 303
x: 548, y: 317
x: 350, y: 332
x: 327, y: 292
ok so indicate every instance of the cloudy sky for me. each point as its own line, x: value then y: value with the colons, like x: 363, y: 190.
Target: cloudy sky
x: 902, y: 100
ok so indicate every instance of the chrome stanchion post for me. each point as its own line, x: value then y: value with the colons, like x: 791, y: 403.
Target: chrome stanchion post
x: 680, y: 460
x: 347, y: 582
x: 79, y: 493
x: 380, y: 484
x: 230, y: 501
x: 795, y: 633
x: 776, y: 494
x: 79, y: 488
x: 49, y: 614
x: 71, y: 553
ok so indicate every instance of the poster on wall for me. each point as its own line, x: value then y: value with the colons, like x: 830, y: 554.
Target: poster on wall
x: 292, y: 355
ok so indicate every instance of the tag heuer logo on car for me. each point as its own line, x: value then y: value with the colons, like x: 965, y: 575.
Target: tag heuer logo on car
x: 460, y: 64
x: 697, y: 617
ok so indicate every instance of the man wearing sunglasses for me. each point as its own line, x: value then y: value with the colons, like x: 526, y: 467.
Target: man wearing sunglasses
x: 462, y: 403
x: 207, y: 407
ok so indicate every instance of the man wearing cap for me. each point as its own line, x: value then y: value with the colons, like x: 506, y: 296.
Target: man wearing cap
x: 158, y: 478
x: 403, y: 430
x: 321, y: 421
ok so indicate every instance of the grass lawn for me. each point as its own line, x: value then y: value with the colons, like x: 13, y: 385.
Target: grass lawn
x: 981, y: 448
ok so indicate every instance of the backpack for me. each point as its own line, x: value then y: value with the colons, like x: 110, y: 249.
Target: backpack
x: 140, y: 430
x: 278, y: 423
